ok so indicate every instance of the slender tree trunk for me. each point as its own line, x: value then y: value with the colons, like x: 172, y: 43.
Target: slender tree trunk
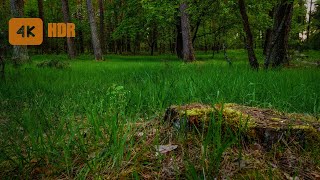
x: 179, y: 44
x: 278, y: 47
x: 94, y: 35
x: 249, y: 38
x: 188, y: 51
x: 80, y: 38
x: 20, y: 53
x: 153, y: 40
x: 309, y: 21
x: 102, y: 31
x: 2, y: 67
x: 66, y: 18
x: 41, y: 16
x: 196, y: 30
x: 268, y: 35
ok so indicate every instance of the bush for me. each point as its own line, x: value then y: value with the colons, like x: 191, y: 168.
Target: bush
x: 54, y: 64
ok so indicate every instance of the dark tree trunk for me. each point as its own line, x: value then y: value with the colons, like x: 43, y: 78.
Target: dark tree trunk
x: 80, y: 38
x: 102, y: 39
x: 188, y: 51
x: 20, y: 53
x: 267, y: 41
x: 81, y: 41
x: 2, y: 66
x: 128, y: 43
x: 66, y: 18
x: 94, y: 35
x: 268, y: 35
x: 196, y: 31
x: 309, y: 21
x: 41, y: 16
x: 249, y: 38
x: 153, y: 39
x: 152, y: 48
x: 179, y: 44
x: 278, y: 47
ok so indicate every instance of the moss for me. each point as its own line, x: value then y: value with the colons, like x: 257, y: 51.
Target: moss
x: 198, y: 112
x: 276, y: 119
x: 237, y: 118
x: 302, y: 127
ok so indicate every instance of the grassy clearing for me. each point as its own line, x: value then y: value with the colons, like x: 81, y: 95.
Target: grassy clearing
x: 82, y: 121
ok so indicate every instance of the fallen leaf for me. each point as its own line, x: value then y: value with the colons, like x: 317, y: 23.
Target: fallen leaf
x: 165, y: 148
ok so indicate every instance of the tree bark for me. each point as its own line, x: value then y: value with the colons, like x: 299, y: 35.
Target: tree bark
x: 102, y: 39
x: 278, y: 47
x: 66, y: 17
x: 196, y: 30
x: 268, y: 35
x: 2, y: 67
x: 80, y: 37
x: 309, y: 21
x: 41, y: 16
x: 20, y: 53
x: 249, y: 38
x: 188, y: 51
x: 153, y: 39
x: 94, y: 35
x: 179, y: 43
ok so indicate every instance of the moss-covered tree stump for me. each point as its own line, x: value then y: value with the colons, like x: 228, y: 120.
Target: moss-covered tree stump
x: 267, y: 126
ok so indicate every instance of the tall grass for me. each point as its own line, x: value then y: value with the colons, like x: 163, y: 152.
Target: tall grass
x: 75, y: 121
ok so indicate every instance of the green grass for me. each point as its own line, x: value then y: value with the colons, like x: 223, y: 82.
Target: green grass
x: 75, y: 120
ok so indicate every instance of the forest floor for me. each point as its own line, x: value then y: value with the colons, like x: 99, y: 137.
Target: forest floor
x: 88, y: 119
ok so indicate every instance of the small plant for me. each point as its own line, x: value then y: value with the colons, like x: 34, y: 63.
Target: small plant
x: 53, y: 64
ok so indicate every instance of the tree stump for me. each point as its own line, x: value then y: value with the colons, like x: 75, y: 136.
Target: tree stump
x: 265, y: 126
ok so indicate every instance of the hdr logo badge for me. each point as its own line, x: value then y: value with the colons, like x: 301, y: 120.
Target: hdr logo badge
x: 29, y: 31
x: 25, y: 31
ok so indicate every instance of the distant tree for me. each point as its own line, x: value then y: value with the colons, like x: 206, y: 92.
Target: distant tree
x: 316, y: 15
x: 268, y: 35
x: 188, y: 51
x: 309, y: 20
x: 20, y: 53
x: 2, y: 49
x: 66, y: 17
x: 102, y: 31
x: 179, y: 40
x: 249, y: 37
x: 79, y: 17
x: 94, y: 33
x: 315, y: 38
x: 41, y: 16
x: 278, y: 46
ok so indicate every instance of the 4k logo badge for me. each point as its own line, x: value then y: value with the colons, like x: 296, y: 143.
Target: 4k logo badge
x: 25, y: 31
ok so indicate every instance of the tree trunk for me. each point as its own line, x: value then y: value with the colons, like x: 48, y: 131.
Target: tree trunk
x: 20, y: 53
x: 41, y: 16
x: 153, y: 39
x: 94, y: 35
x: 179, y: 44
x: 196, y: 30
x: 102, y: 39
x: 66, y: 18
x: 2, y: 66
x: 80, y: 38
x: 249, y: 38
x: 309, y: 21
x: 188, y: 51
x: 278, y: 47
x: 268, y: 35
